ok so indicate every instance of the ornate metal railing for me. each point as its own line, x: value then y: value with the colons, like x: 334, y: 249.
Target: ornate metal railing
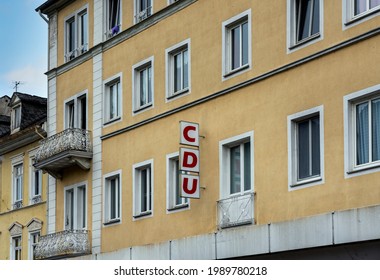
x: 63, y: 244
x: 236, y: 210
x: 71, y: 139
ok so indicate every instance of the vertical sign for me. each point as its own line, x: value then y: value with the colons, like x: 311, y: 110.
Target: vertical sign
x: 189, y: 160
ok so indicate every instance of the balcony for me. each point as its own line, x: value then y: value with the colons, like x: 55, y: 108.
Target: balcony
x: 235, y: 211
x: 64, y: 244
x: 68, y: 148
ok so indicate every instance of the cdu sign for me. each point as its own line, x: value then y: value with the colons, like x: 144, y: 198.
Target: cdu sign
x: 189, y: 160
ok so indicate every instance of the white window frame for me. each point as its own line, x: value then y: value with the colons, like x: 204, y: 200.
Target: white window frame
x: 75, y: 221
x: 349, y: 102
x: 109, y: 32
x: 31, y: 243
x: 350, y: 19
x: 170, y: 53
x: 136, y: 177
x: 14, y: 248
x: 16, y: 117
x: 136, y: 72
x: 107, y: 84
x: 17, y: 160
x: 140, y: 15
x: 224, y: 163
x: 172, y: 1
x: 172, y: 173
x: 76, y: 101
x: 293, y: 182
x: 33, y: 197
x: 107, y: 220
x: 78, y: 48
x: 227, y: 26
x: 292, y: 42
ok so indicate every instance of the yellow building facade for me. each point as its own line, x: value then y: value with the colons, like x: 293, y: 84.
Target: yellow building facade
x: 286, y: 96
x: 22, y: 187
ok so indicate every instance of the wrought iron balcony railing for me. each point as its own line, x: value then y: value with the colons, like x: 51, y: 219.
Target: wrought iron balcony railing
x: 64, y: 244
x: 69, y: 147
x: 235, y: 211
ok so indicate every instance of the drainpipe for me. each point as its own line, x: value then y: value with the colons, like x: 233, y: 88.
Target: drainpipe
x: 43, y: 17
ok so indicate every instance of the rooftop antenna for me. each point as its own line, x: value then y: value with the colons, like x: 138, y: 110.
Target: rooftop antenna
x: 17, y: 84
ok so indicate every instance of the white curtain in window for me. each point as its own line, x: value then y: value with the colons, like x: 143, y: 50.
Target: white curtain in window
x: 362, y: 134
x: 376, y: 129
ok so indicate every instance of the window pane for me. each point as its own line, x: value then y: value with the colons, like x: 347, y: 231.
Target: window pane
x: 303, y: 18
x: 315, y: 20
x: 185, y: 69
x: 177, y: 72
x: 360, y: 6
x: 374, y: 3
x: 247, y: 166
x: 245, y: 43
x: 71, y: 35
x: 113, y: 198
x: 362, y: 134
x: 84, y: 27
x: 315, y: 147
x: 149, y: 85
x: 144, y: 190
x: 235, y: 50
x: 376, y: 129
x: 143, y: 87
x: 235, y: 171
x: 37, y: 177
x: 303, y: 150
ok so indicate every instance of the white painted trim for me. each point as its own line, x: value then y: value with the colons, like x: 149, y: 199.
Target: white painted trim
x: 169, y: 52
x: 349, y: 143
x: 169, y: 196
x: 106, y: 83
x: 30, y: 248
x: 75, y: 188
x: 293, y: 184
x: 226, y: 74
x: 348, y: 18
x: 32, y: 155
x: 117, y: 173
x: 224, y: 146
x: 75, y: 99
x: 135, y: 79
x: 135, y: 170
x: 135, y: 9
x: 291, y: 44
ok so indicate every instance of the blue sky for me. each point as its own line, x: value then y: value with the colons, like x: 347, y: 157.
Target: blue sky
x: 23, y: 47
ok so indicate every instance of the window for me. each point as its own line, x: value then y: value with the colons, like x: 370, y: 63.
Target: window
x: 305, y: 147
x: 112, y: 198
x: 17, y: 185
x: 362, y: 123
x: 112, y: 99
x: 113, y: 17
x: 16, y: 248
x: 143, y: 9
x: 75, y: 207
x: 237, y: 43
x: 143, y: 189
x: 33, y: 240
x: 361, y: 8
x: 178, y: 69
x: 16, y: 117
x: 76, y: 34
x: 143, y: 85
x: 305, y: 20
x: 35, y: 180
x: 174, y: 199
x: 76, y: 112
x: 236, y: 156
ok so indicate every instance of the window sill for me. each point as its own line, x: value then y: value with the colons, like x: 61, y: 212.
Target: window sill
x: 362, y: 16
x: 141, y: 215
x: 305, y: 41
x: 143, y: 108
x: 111, y: 222
x: 235, y: 71
x: 177, y: 94
x: 108, y: 122
x: 306, y: 182
x: 178, y: 207
x: 364, y: 168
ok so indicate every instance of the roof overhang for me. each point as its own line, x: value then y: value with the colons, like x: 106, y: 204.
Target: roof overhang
x: 52, y: 5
